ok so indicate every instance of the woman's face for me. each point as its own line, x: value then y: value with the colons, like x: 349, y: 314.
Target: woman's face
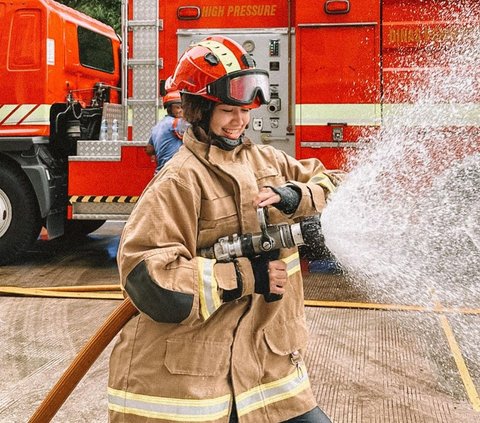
x: 229, y: 121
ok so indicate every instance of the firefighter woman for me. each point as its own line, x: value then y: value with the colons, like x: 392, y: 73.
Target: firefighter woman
x: 216, y: 341
x: 166, y: 137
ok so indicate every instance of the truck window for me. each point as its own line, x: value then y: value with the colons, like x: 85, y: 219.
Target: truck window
x: 24, y: 48
x: 95, y: 50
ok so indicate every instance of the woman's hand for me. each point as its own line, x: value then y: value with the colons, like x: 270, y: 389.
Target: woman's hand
x: 266, y: 197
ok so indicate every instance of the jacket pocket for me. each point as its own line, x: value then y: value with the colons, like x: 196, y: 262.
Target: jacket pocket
x: 185, y: 357
x: 269, y: 176
x: 287, y: 337
x: 216, y: 210
x: 218, y: 217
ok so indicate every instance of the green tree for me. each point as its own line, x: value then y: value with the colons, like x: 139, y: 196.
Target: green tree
x: 106, y: 11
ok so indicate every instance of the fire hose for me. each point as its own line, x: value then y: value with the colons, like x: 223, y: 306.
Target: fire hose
x: 83, y: 361
x: 271, y: 238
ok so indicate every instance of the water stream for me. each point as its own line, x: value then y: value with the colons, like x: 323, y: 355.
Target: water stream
x: 405, y: 225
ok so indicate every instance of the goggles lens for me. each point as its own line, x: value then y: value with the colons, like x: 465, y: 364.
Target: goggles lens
x: 242, y: 88
x: 246, y: 87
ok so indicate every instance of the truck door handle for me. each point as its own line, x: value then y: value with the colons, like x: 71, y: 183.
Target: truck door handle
x: 337, y: 7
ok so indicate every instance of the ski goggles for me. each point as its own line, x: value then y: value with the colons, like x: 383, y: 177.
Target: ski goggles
x: 242, y: 87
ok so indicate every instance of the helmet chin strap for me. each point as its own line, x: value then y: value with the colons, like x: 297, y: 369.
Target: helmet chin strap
x: 227, y: 143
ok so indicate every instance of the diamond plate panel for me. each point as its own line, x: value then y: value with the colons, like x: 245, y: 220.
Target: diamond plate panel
x: 99, y: 148
x: 144, y: 76
x: 144, y: 9
x: 103, y: 208
x: 144, y: 82
x: 144, y: 118
x: 111, y: 112
x: 144, y: 42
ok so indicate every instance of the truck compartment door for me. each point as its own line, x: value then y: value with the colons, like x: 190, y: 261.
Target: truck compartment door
x: 338, y: 79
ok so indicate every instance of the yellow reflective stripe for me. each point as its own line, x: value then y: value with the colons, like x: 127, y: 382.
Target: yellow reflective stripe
x: 40, y: 116
x: 324, y: 181
x: 452, y: 114
x: 5, y: 110
x: 224, y: 54
x: 272, y: 392
x: 19, y: 114
x: 172, y: 409
x: 208, y: 287
x: 350, y: 114
x: 293, y: 263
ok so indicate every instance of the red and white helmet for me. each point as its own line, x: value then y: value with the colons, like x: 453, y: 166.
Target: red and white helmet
x: 219, y: 69
x: 172, y: 97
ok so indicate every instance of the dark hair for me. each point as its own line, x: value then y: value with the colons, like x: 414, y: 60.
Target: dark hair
x: 197, y: 110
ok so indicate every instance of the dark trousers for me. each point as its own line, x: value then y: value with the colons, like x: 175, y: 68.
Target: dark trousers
x: 313, y: 416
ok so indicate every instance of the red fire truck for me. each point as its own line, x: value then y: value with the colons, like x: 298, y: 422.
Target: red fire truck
x: 335, y: 66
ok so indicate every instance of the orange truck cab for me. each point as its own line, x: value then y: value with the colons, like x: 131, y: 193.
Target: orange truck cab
x: 57, y: 69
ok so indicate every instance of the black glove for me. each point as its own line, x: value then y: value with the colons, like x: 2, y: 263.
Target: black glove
x: 290, y: 196
x: 260, y: 272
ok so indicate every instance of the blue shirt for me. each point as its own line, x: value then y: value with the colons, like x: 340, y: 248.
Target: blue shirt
x: 166, y: 138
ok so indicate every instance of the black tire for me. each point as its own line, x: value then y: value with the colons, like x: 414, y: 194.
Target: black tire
x: 20, y: 220
x: 80, y: 228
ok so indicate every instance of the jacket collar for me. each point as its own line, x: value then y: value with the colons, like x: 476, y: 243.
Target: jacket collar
x: 211, y: 153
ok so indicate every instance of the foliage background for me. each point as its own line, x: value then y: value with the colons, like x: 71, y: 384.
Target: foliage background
x: 106, y: 11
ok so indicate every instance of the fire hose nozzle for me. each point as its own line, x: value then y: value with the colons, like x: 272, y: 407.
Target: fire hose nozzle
x: 307, y: 231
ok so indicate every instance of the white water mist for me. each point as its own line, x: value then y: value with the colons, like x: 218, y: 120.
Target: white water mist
x: 405, y: 225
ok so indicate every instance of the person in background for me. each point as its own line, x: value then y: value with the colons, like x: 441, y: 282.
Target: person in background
x: 216, y: 341
x: 166, y: 137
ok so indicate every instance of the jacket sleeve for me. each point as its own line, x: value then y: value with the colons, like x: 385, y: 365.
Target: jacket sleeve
x: 314, y: 181
x: 158, y: 266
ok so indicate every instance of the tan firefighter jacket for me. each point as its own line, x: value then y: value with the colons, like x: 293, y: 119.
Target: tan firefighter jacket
x: 187, y: 356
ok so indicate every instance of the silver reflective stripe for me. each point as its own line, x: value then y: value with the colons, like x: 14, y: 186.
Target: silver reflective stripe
x: 293, y: 263
x: 173, y: 409
x: 272, y: 392
x: 208, y: 287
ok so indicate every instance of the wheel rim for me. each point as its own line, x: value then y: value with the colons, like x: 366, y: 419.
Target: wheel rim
x: 5, y: 213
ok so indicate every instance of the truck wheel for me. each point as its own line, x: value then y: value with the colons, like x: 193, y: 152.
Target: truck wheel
x: 20, y: 221
x: 78, y: 228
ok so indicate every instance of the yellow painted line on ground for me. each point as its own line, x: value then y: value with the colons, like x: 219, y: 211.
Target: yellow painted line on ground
x: 91, y: 292
x: 39, y: 292
x: 396, y: 307
x: 462, y: 367
x: 437, y: 308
